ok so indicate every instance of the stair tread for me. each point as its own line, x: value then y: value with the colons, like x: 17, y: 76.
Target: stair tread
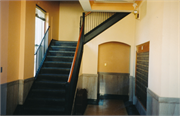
x: 50, y: 82
x: 53, y: 75
x: 62, y: 51
x: 56, y: 68
x: 46, y: 108
x: 61, y: 56
x: 48, y: 90
x: 48, y: 99
x: 58, y: 62
x: 62, y: 46
x: 65, y: 41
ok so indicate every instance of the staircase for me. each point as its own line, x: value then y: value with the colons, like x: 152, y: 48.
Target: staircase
x: 48, y: 93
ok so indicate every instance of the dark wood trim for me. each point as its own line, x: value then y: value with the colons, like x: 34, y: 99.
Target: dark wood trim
x: 140, y: 49
x: 141, y: 103
x: 40, y: 18
x: 40, y: 8
x: 75, y: 55
x: 143, y: 47
x: 109, y: 73
x: 87, y: 14
x: 112, y: 96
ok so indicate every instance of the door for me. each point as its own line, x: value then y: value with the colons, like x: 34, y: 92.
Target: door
x: 39, y: 33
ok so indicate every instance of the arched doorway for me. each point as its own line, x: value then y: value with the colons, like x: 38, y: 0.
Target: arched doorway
x: 113, y: 69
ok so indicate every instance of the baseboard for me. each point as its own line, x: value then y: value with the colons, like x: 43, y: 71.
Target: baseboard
x: 111, y: 96
x: 93, y: 101
x: 140, y: 108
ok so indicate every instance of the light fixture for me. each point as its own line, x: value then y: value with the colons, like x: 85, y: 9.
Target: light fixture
x: 136, y: 12
x: 134, y: 5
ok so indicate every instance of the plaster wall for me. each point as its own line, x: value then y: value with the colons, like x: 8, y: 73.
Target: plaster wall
x: 69, y: 20
x: 123, y: 31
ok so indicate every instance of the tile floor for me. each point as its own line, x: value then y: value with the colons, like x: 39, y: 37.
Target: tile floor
x: 107, y: 107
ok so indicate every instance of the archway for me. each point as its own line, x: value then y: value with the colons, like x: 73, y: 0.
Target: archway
x: 113, y: 69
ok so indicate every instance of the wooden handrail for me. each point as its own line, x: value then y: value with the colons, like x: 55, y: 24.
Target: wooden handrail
x: 87, y: 14
x: 75, y: 56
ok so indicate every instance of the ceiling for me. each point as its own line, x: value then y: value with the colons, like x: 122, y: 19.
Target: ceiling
x: 109, y: 5
x: 115, y: 1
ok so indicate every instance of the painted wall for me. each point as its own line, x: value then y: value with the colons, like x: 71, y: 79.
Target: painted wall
x: 69, y: 18
x: 123, y: 31
x: 17, y: 36
x: 4, y: 38
x: 10, y: 38
x: 159, y: 24
x: 149, y: 28
x: 52, y: 9
x: 113, y: 57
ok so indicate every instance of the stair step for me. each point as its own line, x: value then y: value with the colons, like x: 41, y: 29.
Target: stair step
x: 46, y: 93
x: 45, y: 101
x: 63, y: 48
x: 65, y: 43
x: 60, y: 58
x: 53, y: 77
x: 57, y: 64
x: 44, y: 110
x: 52, y: 70
x: 49, y: 85
x: 60, y: 53
x: 51, y: 82
x: 49, y: 90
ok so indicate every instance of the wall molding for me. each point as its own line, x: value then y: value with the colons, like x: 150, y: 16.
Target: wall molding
x: 157, y: 105
x: 163, y: 99
x: 113, y: 73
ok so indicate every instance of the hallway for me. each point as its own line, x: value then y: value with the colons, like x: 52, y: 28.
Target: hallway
x: 111, y: 107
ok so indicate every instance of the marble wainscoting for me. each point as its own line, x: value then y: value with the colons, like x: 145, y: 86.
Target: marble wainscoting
x: 161, y: 105
x: 12, y: 93
x: 3, y: 96
x: 24, y: 87
x: 131, y: 88
x: 12, y: 97
x: 113, y: 83
x: 90, y: 83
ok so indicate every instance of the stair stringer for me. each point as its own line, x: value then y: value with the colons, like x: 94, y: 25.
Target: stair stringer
x: 103, y: 26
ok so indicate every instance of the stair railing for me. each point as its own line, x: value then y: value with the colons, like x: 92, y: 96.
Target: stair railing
x: 93, y: 19
x: 41, y: 51
x: 74, y: 72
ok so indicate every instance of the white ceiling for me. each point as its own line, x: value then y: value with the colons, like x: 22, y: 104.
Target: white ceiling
x: 115, y: 1
x: 87, y: 6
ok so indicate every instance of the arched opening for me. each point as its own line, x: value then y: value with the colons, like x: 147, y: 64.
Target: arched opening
x: 113, y: 69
